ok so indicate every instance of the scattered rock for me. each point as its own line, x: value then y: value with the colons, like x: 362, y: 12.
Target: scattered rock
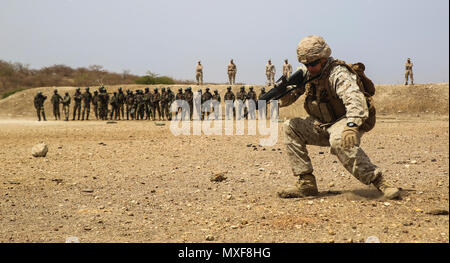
x: 210, y: 238
x: 87, y: 190
x: 438, y: 212
x: 111, y: 122
x: 39, y: 150
x: 218, y: 177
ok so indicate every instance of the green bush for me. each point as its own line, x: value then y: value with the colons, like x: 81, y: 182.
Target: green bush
x: 9, y: 93
x: 151, y: 80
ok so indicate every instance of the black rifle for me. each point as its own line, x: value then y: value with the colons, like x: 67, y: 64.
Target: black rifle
x: 280, y: 88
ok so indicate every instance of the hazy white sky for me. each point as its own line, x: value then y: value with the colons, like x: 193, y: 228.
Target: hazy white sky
x: 168, y: 37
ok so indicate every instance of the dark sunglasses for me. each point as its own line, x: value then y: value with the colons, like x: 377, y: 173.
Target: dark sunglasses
x: 314, y: 63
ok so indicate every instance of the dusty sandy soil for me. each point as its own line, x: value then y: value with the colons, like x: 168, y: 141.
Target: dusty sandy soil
x: 133, y: 181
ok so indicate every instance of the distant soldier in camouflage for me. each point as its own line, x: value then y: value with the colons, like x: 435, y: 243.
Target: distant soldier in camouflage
x: 179, y: 97
x: 77, y: 97
x: 287, y: 69
x: 155, y: 100
x: 216, y: 104
x: 270, y: 73
x: 66, y: 105
x: 408, y: 72
x: 338, y: 117
x: 140, y: 105
x: 87, y: 99
x: 56, y: 100
x: 114, y: 101
x: 39, y: 105
x: 189, y: 97
x: 231, y: 70
x: 251, y: 103
x: 104, y: 101
x: 121, y: 101
x: 262, y: 112
x: 95, y: 102
x: 229, y: 103
x: 199, y: 73
x: 147, y: 104
x: 241, y: 98
x: 129, y: 100
x: 206, y: 103
x: 164, y: 104
x: 170, y: 99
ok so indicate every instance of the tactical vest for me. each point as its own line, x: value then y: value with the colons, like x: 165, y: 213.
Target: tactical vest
x: 322, y: 102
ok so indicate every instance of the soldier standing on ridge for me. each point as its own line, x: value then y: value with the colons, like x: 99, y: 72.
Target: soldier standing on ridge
x: 231, y: 70
x: 87, y: 99
x: 287, y: 69
x: 408, y: 72
x: 66, y: 104
x: 270, y: 73
x: 56, y: 100
x: 339, y: 114
x: 104, y: 100
x: 199, y: 73
x: 39, y: 105
x: 164, y: 102
x: 77, y: 106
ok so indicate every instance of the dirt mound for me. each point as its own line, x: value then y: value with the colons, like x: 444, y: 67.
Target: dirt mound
x: 390, y: 99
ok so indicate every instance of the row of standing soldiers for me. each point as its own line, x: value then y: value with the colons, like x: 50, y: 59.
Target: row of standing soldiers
x: 139, y: 105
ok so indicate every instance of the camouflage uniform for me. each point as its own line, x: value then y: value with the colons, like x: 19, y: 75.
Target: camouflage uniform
x: 140, y: 105
x: 87, y: 99
x: 66, y: 104
x: 231, y: 70
x: 129, y: 99
x: 262, y: 112
x: 189, y: 97
x: 408, y: 72
x: 39, y: 105
x: 199, y: 74
x: 95, y: 101
x: 155, y: 99
x: 241, y: 98
x: 206, y: 103
x: 170, y: 99
x: 287, y: 69
x: 56, y: 100
x: 164, y: 104
x: 270, y: 73
x: 103, y: 106
x: 147, y: 104
x: 121, y: 101
x: 216, y: 104
x: 229, y: 103
x: 251, y: 104
x: 114, y: 107
x: 77, y: 97
x: 180, y: 97
x: 322, y: 130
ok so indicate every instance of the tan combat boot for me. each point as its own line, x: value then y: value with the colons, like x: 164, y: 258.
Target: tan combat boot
x: 383, y: 186
x: 305, y: 186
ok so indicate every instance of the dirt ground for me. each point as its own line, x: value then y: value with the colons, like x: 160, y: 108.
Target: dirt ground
x: 133, y: 181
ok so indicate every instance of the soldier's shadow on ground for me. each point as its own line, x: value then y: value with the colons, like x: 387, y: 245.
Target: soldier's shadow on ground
x: 360, y: 194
